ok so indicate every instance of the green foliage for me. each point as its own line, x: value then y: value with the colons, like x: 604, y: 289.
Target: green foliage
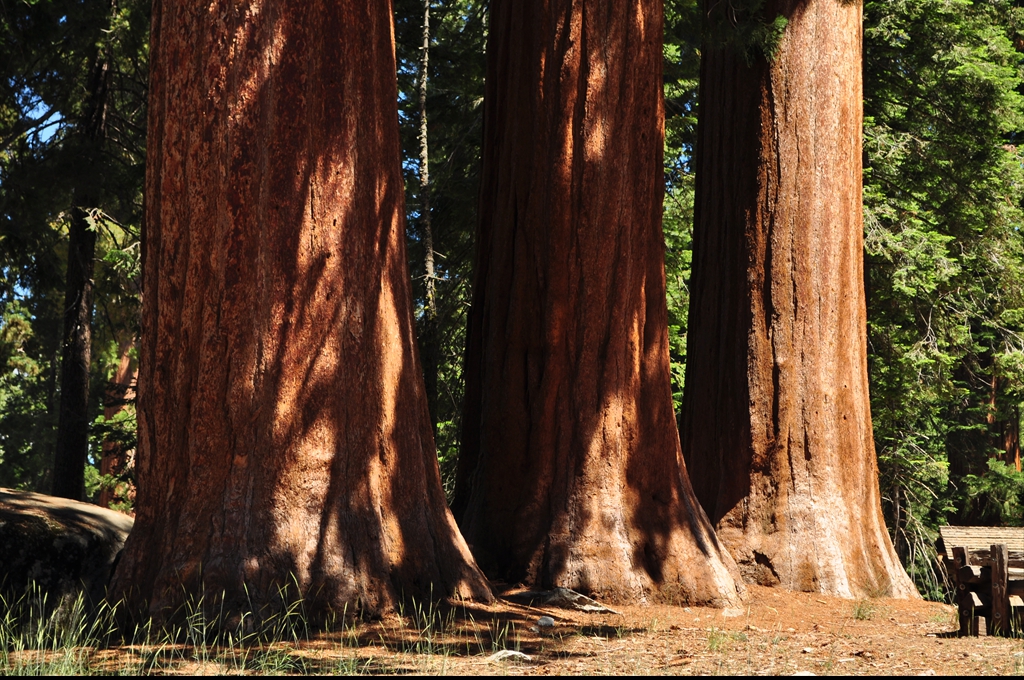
x: 121, y: 429
x: 120, y: 433
x: 742, y: 25
x: 681, y: 77
x: 26, y: 428
x: 1001, y: 492
x: 678, y: 229
x: 455, y: 116
x: 48, y: 50
x: 943, y: 191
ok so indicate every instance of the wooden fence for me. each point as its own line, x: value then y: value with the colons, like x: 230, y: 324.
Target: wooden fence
x: 986, y: 568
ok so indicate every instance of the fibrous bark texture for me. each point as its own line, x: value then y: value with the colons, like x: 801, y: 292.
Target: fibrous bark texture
x: 776, y: 420
x: 284, y: 436
x: 570, y: 473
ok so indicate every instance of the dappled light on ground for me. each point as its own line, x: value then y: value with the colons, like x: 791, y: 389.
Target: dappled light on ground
x: 775, y: 633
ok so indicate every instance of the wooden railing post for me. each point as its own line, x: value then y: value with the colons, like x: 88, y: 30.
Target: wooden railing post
x: 963, y: 606
x: 1000, y: 582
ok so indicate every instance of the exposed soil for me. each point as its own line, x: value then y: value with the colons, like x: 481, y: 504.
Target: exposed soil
x: 775, y: 633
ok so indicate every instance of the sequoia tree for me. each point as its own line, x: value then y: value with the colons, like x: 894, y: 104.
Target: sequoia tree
x: 570, y: 471
x: 776, y: 419
x: 284, y: 435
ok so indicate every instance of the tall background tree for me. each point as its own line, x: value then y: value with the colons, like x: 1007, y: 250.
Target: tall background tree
x: 454, y: 114
x: 72, y: 147
x: 776, y: 412
x: 274, y: 201
x: 73, y: 422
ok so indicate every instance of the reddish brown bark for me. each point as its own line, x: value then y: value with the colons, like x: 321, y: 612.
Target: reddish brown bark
x: 776, y: 420
x: 570, y: 472
x: 283, y: 429
x: 1004, y: 428
x: 119, y: 393
x: 1009, y: 440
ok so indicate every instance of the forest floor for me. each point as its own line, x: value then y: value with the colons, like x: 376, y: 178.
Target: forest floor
x: 775, y: 633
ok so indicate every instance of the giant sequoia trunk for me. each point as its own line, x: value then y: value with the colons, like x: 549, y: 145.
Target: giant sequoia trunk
x: 283, y: 430
x: 570, y: 472
x: 776, y: 421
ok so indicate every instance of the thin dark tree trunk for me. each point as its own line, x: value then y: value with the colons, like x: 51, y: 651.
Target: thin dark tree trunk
x: 284, y: 436
x: 570, y: 472
x: 776, y: 419
x: 428, y: 337
x: 72, y: 446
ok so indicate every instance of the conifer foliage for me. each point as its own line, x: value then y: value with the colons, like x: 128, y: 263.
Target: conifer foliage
x: 943, y: 190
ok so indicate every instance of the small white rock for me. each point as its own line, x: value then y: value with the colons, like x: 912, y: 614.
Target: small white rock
x: 927, y: 672
x: 509, y: 655
x: 807, y: 650
x: 732, y: 613
x: 803, y: 673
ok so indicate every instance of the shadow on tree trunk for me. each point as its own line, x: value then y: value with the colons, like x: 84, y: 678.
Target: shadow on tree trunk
x: 284, y: 435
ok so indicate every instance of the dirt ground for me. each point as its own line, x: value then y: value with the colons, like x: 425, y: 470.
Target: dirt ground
x: 775, y: 633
